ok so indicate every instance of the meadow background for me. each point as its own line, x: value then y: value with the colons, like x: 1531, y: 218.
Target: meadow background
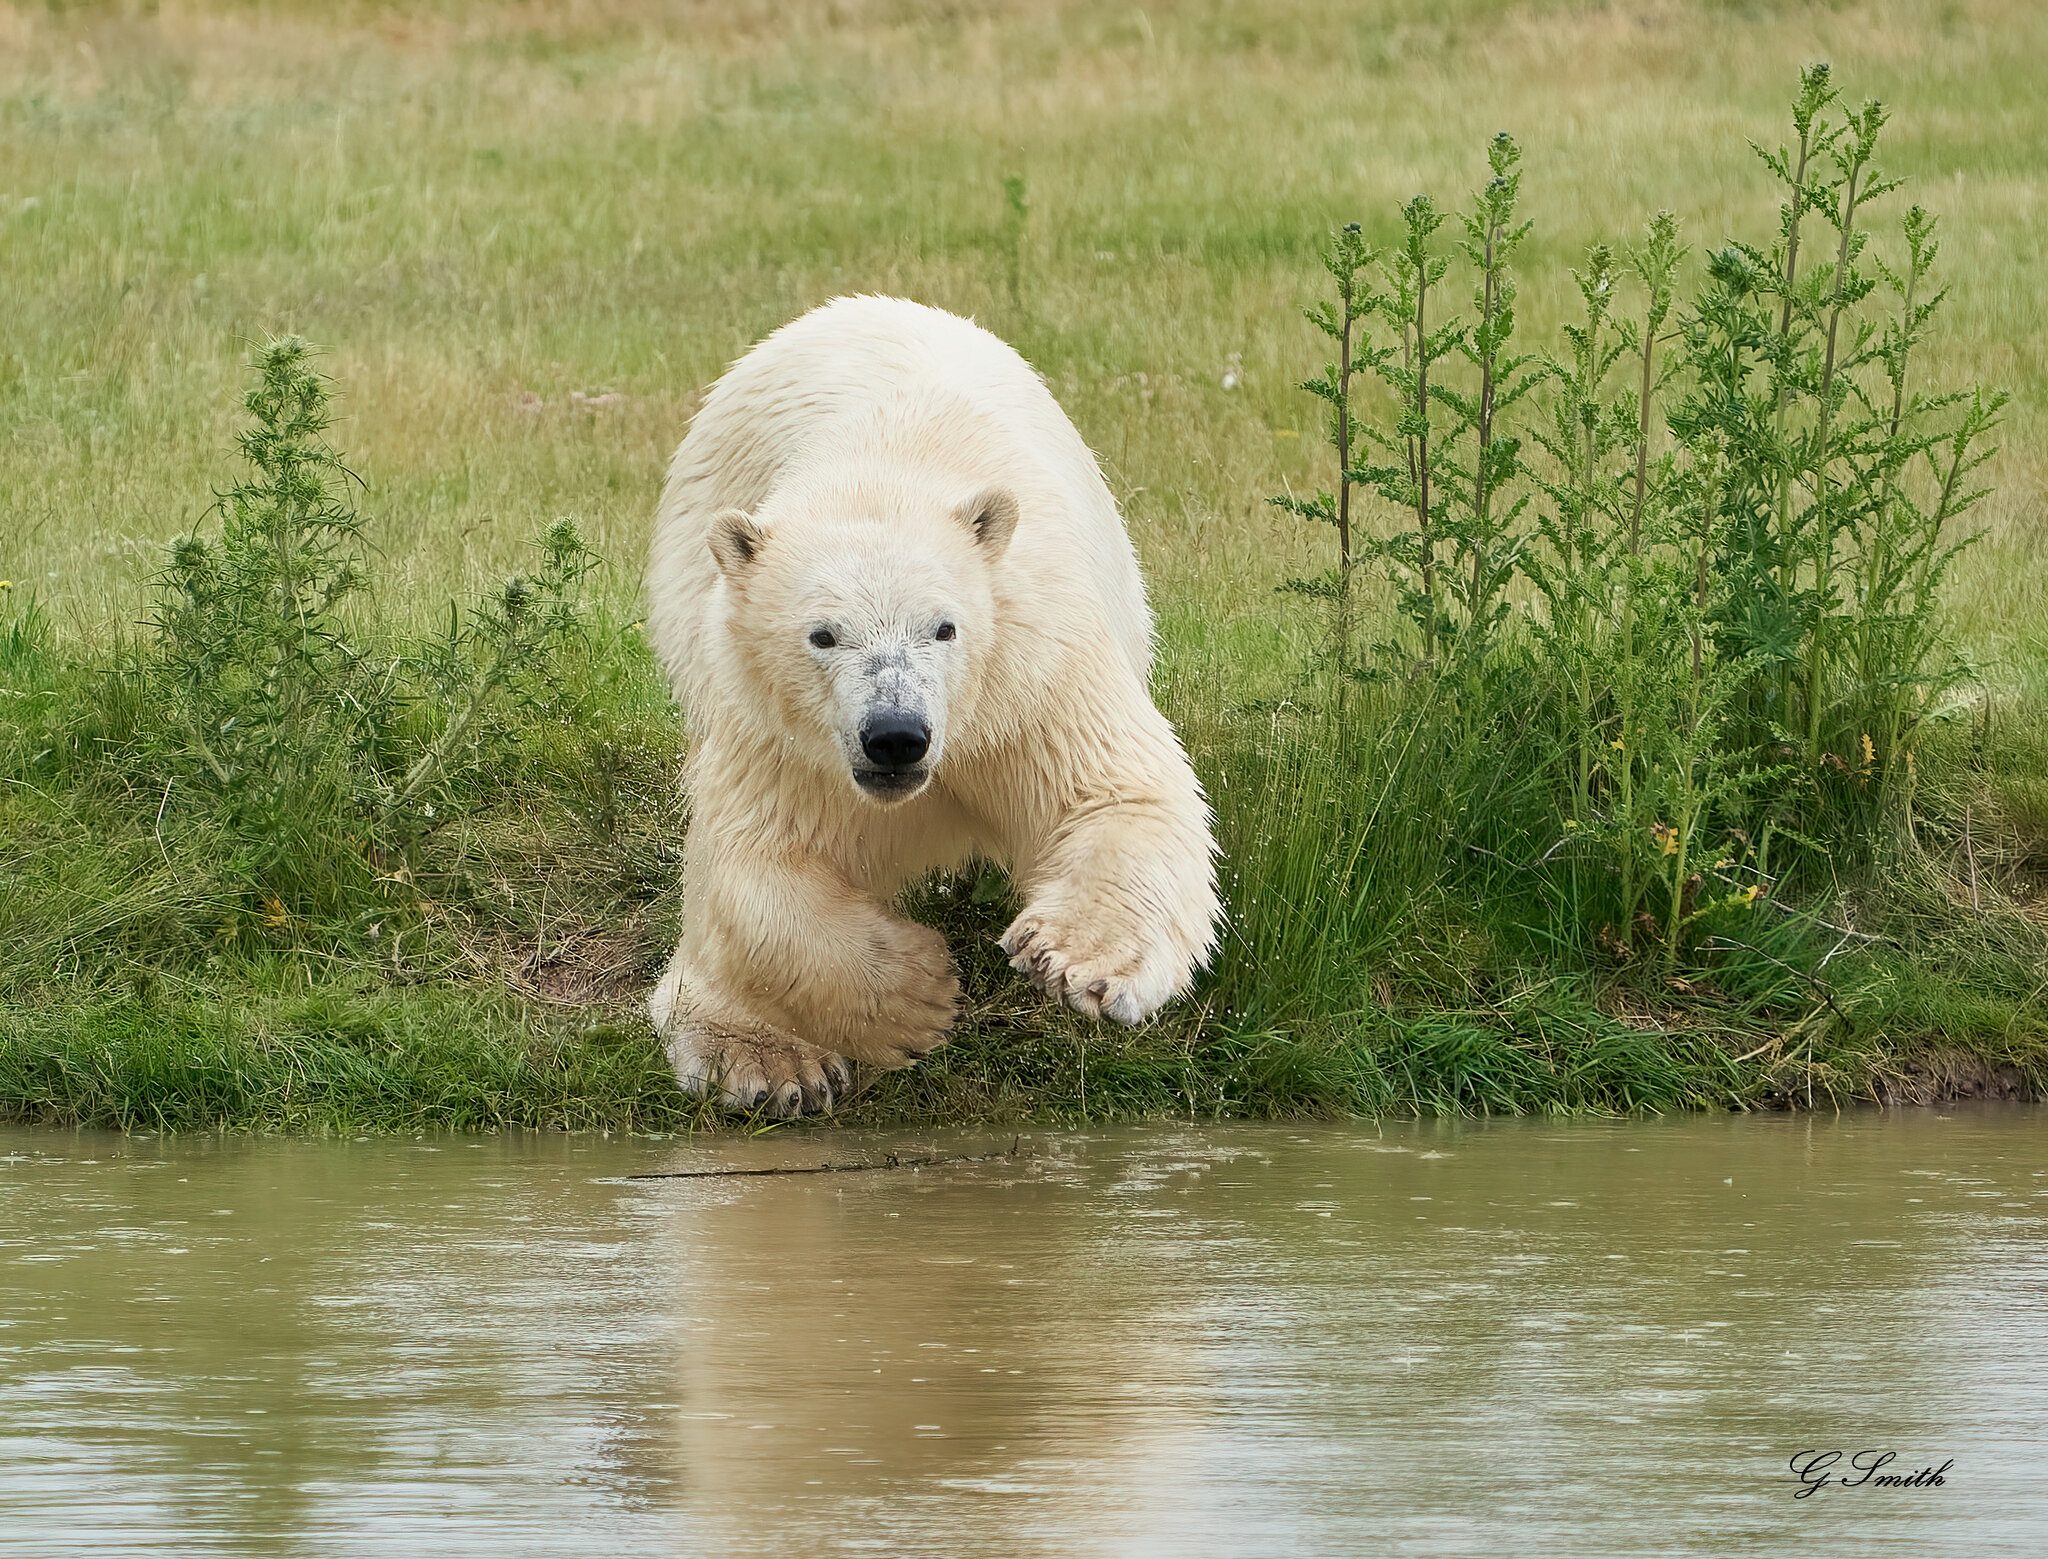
x: 527, y: 236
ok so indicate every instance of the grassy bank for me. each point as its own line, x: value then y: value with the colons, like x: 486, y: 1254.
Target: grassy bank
x: 530, y: 237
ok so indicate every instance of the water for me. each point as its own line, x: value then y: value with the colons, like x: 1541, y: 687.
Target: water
x: 1574, y: 1338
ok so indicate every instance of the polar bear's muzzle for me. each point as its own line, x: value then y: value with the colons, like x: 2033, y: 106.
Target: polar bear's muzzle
x: 894, y: 743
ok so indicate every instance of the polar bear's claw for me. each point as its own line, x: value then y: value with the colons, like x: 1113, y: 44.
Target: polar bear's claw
x: 1090, y: 973
x: 762, y: 1073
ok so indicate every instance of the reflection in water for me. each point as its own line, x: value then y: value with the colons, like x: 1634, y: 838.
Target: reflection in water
x: 1573, y: 1337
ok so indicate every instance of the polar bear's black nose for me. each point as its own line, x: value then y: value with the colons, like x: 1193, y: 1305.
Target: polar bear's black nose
x: 894, y: 740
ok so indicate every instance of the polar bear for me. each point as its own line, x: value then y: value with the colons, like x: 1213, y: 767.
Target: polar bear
x: 906, y: 628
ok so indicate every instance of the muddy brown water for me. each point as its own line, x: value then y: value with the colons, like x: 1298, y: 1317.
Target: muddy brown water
x: 1562, y: 1337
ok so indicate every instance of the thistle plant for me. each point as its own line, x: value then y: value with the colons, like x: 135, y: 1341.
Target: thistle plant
x: 259, y: 672
x: 1450, y: 459
x: 1343, y: 319
x: 1733, y: 503
x: 1858, y: 465
x: 1588, y: 434
x: 1655, y: 261
x: 1923, y: 476
x: 269, y: 723
x: 1405, y: 475
x: 1661, y: 584
x: 1812, y: 136
x: 1483, y: 528
x: 495, y: 653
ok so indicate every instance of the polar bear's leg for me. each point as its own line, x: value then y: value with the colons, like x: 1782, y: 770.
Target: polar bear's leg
x: 1120, y: 905
x: 782, y: 962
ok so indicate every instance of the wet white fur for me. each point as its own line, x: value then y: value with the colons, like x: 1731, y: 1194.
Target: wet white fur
x: 838, y: 469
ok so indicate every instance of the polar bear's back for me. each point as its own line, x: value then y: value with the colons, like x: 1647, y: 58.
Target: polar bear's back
x: 794, y: 397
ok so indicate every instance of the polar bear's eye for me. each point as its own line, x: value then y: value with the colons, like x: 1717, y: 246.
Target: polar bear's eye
x: 946, y: 631
x: 822, y: 638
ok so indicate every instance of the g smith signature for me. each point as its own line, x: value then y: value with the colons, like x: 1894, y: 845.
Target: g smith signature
x: 1817, y: 1470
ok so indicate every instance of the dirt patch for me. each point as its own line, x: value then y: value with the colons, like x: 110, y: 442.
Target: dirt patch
x: 1942, y: 1075
x: 577, y: 969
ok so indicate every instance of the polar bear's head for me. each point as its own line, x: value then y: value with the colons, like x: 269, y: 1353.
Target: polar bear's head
x: 867, y: 623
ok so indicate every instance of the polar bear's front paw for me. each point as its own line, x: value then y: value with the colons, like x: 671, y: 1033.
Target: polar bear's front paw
x: 1091, y: 970
x: 759, y: 1070
x: 913, y: 997
x: 924, y: 1013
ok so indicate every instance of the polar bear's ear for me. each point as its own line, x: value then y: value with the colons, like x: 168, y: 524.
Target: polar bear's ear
x: 735, y: 541
x: 992, y: 515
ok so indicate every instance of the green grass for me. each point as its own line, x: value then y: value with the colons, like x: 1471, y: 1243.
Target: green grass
x: 497, y: 218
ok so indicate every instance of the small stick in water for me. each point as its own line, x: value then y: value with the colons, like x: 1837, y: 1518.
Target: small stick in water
x: 892, y: 1161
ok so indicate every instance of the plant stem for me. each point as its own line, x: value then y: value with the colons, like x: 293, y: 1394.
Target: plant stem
x: 1422, y: 457
x: 1481, y: 497
x: 1635, y: 513
x: 1795, y: 220
x: 1824, y: 560
x: 1347, y: 292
